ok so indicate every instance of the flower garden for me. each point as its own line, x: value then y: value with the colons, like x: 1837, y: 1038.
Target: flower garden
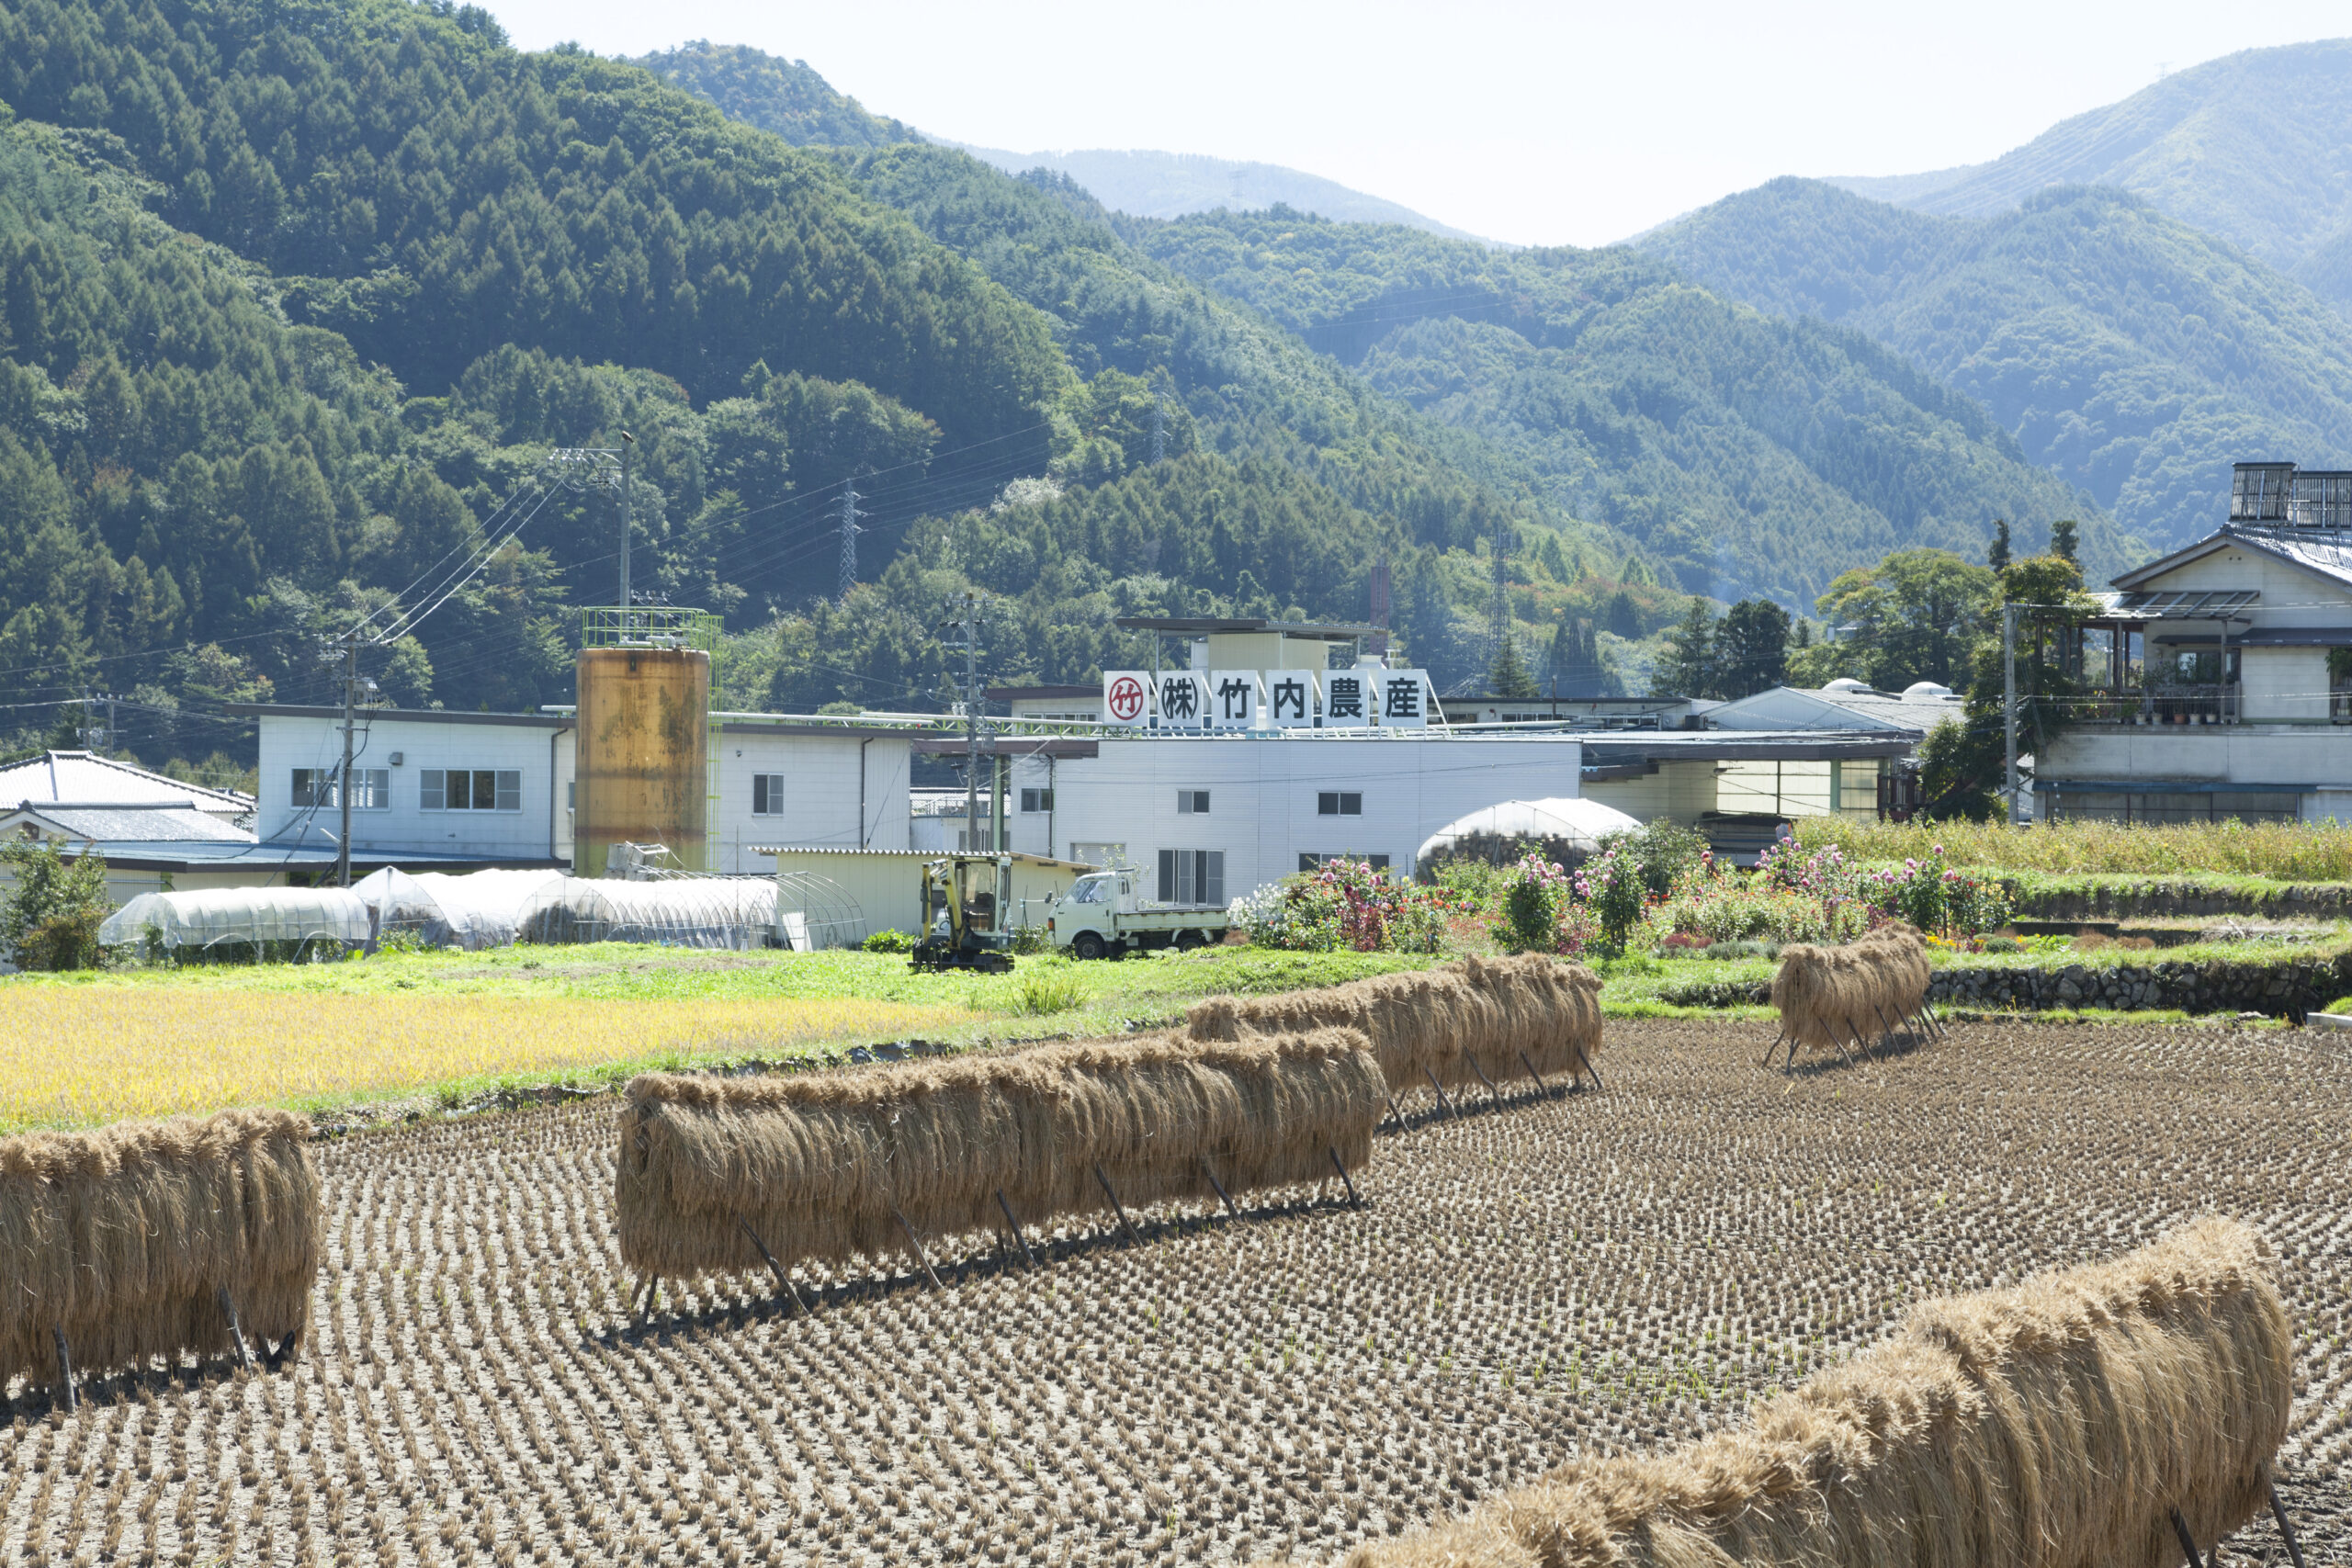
x: 1659, y: 891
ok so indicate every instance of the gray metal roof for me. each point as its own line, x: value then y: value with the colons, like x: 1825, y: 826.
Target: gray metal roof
x: 1618, y: 748
x: 78, y: 776
x: 144, y: 821
x: 2326, y: 553
x: 2182, y: 605
x: 2294, y: 636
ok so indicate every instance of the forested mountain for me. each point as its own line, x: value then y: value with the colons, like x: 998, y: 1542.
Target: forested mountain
x: 294, y: 300
x: 2123, y: 349
x: 295, y: 297
x: 1749, y: 455
x: 781, y: 96
x: 2251, y: 148
x: 1174, y: 184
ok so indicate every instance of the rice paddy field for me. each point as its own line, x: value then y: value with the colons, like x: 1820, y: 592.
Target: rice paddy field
x: 83, y: 1048
x: 1531, y: 1279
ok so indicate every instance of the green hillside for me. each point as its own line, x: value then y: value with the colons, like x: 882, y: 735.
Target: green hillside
x: 2123, y: 349
x: 291, y: 304
x: 2250, y: 148
x: 292, y: 300
x: 781, y: 95
x: 1749, y: 455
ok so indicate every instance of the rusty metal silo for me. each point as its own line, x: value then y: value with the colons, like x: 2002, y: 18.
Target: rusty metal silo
x: 644, y: 752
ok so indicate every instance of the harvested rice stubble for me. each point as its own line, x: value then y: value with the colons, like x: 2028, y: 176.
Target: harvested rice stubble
x: 1595, y: 1274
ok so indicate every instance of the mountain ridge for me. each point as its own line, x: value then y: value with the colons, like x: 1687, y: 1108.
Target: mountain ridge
x: 2254, y: 148
x: 2126, y: 350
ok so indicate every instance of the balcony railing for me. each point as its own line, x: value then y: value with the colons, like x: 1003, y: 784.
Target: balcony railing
x: 2181, y: 705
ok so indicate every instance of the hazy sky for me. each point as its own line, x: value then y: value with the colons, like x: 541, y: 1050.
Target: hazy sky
x: 1574, y: 123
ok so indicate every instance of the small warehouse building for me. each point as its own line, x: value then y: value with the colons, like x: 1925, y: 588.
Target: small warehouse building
x: 885, y: 886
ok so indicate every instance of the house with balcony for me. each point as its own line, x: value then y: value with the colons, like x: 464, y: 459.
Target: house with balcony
x: 2216, y: 681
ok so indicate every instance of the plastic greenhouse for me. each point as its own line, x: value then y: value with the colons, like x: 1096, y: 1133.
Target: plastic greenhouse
x: 474, y: 911
x: 676, y: 911
x: 1563, y: 825
x: 214, y: 917
x: 815, y: 912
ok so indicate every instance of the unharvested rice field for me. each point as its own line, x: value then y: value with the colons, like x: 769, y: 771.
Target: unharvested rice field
x: 1606, y: 1271
x: 75, y: 1055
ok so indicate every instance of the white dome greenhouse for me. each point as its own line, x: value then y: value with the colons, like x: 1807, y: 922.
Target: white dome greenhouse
x: 1572, y: 822
x: 475, y: 911
x: 674, y: 911
x: 212, y: 917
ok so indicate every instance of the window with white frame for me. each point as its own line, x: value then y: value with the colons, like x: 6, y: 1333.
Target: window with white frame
x: 767, y: 795
x: 1035, y: 801
x: 469, y: 789
x: 1192, y: 876
x: 1192, y: 802
x: 1339, y: 803
x: 371, y: 788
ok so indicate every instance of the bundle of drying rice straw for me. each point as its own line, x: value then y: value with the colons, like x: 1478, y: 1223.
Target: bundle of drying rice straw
x: 126, y: 1237
x: 831, y: 1165
x: 2053, y: 1425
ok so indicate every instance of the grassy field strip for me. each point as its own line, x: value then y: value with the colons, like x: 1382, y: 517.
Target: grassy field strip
x: 2286, y: 852
x: 77, y: 1055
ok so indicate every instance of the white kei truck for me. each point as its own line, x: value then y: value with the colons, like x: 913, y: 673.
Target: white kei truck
x: 1101, y: 916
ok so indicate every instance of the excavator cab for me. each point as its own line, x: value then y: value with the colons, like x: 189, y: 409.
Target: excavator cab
x: 964, y: 899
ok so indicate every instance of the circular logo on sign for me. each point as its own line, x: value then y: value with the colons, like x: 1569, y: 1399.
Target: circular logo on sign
x: 1125, y: 698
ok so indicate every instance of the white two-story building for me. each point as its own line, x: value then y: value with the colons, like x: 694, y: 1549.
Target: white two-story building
x: 2218, y: 679
x: 441, y: 789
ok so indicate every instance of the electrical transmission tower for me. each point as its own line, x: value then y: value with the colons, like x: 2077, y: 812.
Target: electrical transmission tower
x: 1159, y: 429
x: 1498, y: 616
x: 976, y: 737
x: 1378, y: 641
x: 850, y: 531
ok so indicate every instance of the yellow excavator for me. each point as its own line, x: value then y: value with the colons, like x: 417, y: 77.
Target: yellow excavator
x: 964, y: 899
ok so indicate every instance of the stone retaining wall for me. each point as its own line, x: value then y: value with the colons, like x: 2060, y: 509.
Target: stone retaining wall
x: 2291, y: 986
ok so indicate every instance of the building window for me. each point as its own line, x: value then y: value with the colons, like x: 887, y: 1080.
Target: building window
x: 1192, y: 802
x: 1034, y: 801
x: 469, y: 789
x: 1337, y: 803
x: 1314, y: 861
x: 767, y: 795
x: 1192, y: 876
x: 371, y: 788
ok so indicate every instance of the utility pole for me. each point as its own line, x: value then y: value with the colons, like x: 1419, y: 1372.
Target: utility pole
x: 2010, y: 701
x: 343, y: 776
x: 628, y: 444
x: 1158, y: 430
x: 850, y: 531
